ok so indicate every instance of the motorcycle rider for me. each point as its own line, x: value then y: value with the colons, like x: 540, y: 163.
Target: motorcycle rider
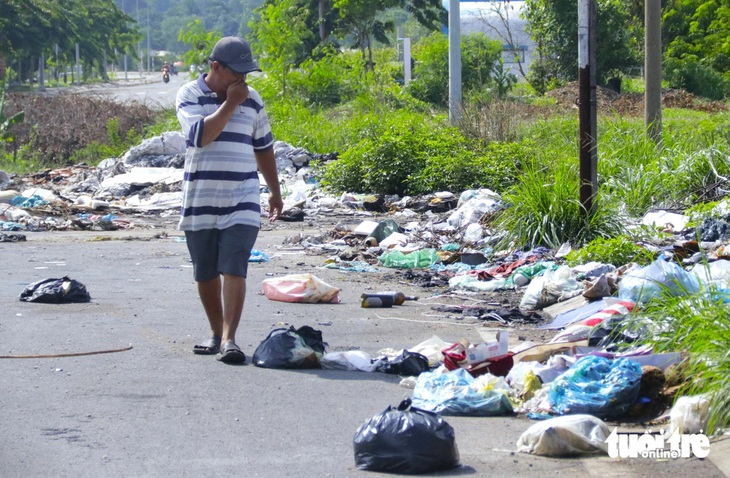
x: 165, y: 72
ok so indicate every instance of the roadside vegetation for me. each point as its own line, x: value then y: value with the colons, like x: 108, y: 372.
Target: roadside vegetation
x: 516, y: 136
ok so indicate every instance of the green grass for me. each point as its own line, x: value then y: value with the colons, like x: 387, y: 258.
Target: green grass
x: 544, y: 209
x: 700, y: 326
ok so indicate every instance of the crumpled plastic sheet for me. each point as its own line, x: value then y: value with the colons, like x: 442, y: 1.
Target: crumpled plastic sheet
x: 11, y: 226
x: 565, y: 436
x: 352, y: 266
x: 655, y: 279
x: 258, y: 256
x: 451, y: 393
x: 597, y: 386
x: 27, y: 202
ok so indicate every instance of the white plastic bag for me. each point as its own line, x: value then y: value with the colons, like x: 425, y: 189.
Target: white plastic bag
x: 300, y: 288
x: 551, y: 287
x: 714, y: 272
x: 689, y: 415
x: 564, y: 436
x: 348, y: 360
x: 431, y: 349
x: 651, y: 281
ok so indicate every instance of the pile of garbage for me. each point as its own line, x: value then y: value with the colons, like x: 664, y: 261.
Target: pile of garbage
x: 569, y: 388
x: 590, y: 370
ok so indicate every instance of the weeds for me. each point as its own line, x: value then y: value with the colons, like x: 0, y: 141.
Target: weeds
x: 58, y: 128
x: 544, y: 210
x: 700, y: 325
x: 618, y: 251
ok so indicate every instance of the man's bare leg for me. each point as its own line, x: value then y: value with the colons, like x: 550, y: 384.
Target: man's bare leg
x: 234, y: 295
x: 210, y: 297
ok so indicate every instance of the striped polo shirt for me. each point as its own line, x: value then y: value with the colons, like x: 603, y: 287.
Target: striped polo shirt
x: 221, y: 182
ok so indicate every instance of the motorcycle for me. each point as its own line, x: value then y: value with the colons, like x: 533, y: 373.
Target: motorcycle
x: 165, y: 76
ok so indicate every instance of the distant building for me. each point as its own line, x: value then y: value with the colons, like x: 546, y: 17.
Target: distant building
x: 501, y: 21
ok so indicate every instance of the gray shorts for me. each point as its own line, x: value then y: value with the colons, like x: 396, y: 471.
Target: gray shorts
x: 221, y: 251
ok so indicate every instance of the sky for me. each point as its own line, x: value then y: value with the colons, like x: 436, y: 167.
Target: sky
x: 465, y: 7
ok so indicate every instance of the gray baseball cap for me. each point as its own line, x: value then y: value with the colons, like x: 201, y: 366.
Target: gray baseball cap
x: 234, y: 53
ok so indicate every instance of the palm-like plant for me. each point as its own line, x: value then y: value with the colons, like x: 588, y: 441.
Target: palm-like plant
x: 6, y: 124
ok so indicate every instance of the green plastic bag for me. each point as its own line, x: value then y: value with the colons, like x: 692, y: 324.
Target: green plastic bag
x: 415, y: 259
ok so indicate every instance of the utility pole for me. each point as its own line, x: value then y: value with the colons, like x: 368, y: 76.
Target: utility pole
x: 322, y: 32
x: 149, y: 51
x: 42, y: 72
x: 139, y: 43
x: 653, y: 70
x: 587, y: 10
x: 454, y: 62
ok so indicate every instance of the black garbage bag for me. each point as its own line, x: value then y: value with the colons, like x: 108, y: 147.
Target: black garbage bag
x: 407, y: 363
x: 406, y: 440
x: 290, y: 348
x: 55, y: 291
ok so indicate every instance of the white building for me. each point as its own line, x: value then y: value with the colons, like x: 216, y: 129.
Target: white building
x: 500, y: 21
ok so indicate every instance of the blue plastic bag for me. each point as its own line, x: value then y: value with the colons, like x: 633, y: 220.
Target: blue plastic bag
x: 597, y: 386
x: 651, y: 281
x: 450, y: 394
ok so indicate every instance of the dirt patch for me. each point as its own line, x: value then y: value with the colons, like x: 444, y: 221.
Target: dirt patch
x: 632, y: 104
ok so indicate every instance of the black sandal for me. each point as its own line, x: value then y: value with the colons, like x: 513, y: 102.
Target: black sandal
x: 210, y: 347
x: 231, y: 354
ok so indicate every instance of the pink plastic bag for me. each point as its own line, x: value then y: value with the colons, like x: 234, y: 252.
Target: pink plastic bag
x: 300, y: 288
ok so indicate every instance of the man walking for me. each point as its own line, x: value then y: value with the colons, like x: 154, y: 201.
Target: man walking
x: 228, y: 138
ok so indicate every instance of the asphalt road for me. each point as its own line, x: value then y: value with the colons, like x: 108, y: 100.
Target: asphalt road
x: 159, y: 410
x: 148, y: 88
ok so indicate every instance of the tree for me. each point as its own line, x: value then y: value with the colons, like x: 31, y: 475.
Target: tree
x: 500, y: 19
x: 361, y: 19
x: 280, y: 31
x: 698, y: 31
x: 7, y: 123
x: 553, y: 25
x: 479, y: 54
x: 34, y: 27
x: 200, y: 42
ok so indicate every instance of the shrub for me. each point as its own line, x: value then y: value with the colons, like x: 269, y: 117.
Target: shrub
x: 431, y: 72
x: 403, y: 154
x: 696, y: 76
x: 330, y: 80
x: 384, y: 159
x: 495, y: 167
x: 618, y: 251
